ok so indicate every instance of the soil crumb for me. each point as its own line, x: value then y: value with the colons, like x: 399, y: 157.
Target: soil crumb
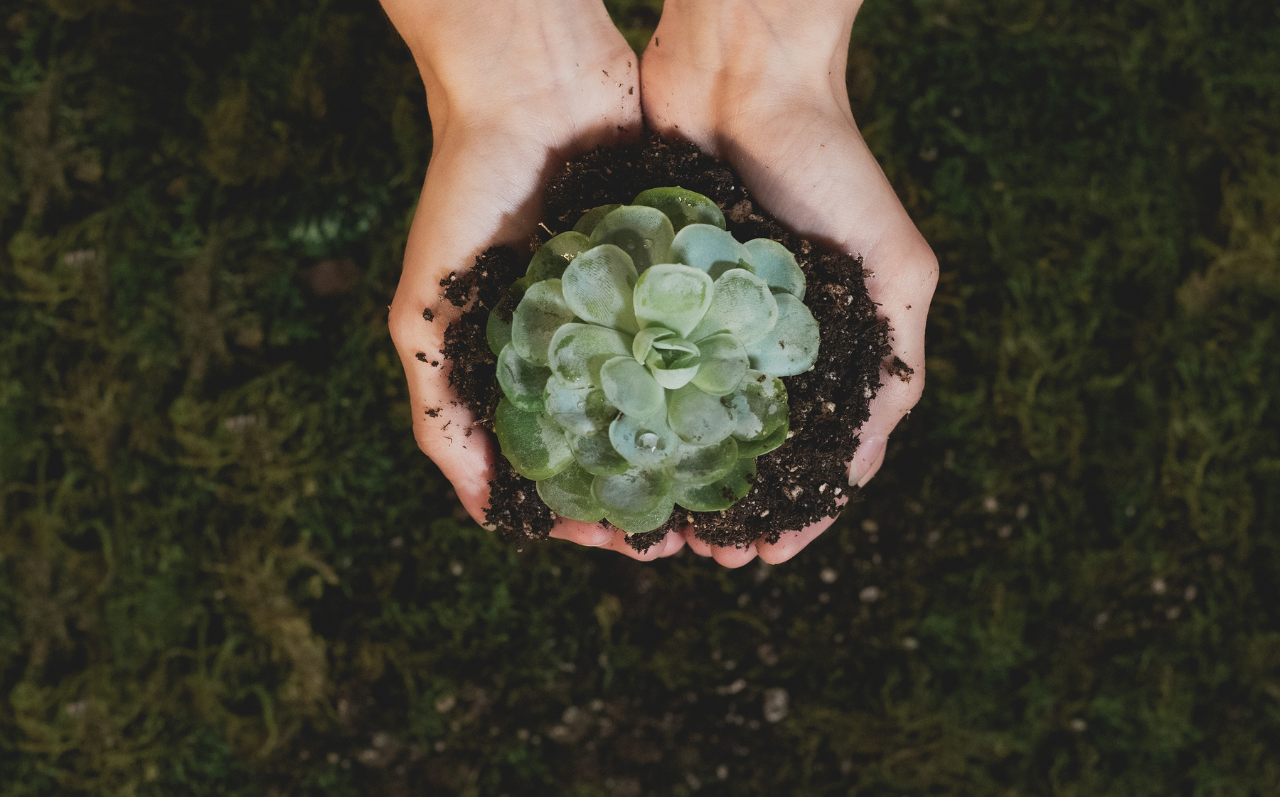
x: 801, y: 482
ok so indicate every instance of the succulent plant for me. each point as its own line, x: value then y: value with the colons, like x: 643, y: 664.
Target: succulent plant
x: 639, y: 360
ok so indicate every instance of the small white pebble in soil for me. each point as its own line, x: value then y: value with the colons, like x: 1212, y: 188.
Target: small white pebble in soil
x: 1158, y: 586
x: 1005, y: 531
x: 722, y: 772
x: 828, y: 575
x: 1078, y: 725
x: 1174, y: 612
x: 1190, y: 593
x: 764, y: 513
x: 990, y: 503
x: 822, y: 488
x: 869, y: 594
x: 910, y: 643
x: 455, y: 568
x: 1022, y: 511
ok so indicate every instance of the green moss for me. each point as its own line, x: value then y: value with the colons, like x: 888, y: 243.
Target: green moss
x: 225, y: 568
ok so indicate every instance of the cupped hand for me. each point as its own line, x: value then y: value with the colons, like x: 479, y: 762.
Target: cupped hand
x: 513, y: 89
x: 761, y: 83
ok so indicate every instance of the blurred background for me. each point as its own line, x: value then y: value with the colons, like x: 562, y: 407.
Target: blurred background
x: 225, y: 568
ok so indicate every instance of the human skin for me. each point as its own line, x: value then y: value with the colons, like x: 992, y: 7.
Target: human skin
x: 761, y: 84
x: 516, y: 88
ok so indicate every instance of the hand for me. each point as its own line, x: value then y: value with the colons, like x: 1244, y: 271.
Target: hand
x: 761, y: 83
x: 513, y: 89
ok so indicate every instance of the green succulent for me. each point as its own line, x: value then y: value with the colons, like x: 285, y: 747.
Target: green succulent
x: 640, y: 362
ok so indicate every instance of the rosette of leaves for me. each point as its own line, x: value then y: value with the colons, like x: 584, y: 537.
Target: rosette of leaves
x: 639, y: 360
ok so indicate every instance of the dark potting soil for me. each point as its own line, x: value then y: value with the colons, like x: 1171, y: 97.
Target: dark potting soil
x: 799, y: 483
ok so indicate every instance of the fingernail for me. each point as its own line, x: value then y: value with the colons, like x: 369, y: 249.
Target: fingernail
x: 866, y: 457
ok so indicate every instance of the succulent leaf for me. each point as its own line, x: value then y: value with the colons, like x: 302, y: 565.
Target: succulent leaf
x: 633, y: 492
x: 539, y: 316
x: 682, y: 206
x: 580, y: 409
x: 553, y: 257
x: 791, y: 347
x: 673, y: 361
x: 763, y: 445
x: 644, y: 442
x: 568, y: 494
x: 704, y: 247
x: 592, y: 217
x: 697, y: 417
x: 629, y: 387
x: 598, y: 285
x: 742, y: 305
x: 497, y: 333
x: 695, y: 465
x: 720, y: 494
x: 643, y: 342
x: 579, y: 351
x: 595, y: 453
x: 775, y: 264
x: 639, y: 524
x: 522, y: 382
x: 723, y: 364
x: 643, y: 233
x: 534, y: 445
x: 674, y: 297
x: 758, y: 406
x: 498, y: 329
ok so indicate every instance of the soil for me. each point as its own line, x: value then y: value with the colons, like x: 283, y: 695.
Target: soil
x: 799, y: 483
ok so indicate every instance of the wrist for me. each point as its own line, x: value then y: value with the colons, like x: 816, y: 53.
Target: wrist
x: 497, y: 64
x: 794, y: 46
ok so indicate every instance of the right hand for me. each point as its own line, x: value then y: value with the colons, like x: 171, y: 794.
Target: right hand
x: 761, y: 84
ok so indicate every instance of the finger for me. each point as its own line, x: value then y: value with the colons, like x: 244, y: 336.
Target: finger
x: 732, y: 557
x: 619, y: 544
x: 444, y: 428
x: 675, y: 544
x: 696, y: 545
x: 592, y: 535
x: 791, y: 542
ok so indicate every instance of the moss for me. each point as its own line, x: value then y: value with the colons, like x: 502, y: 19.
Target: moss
x: 226, y: 569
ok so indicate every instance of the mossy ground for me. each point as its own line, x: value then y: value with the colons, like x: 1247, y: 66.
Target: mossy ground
x: 225, y: 569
